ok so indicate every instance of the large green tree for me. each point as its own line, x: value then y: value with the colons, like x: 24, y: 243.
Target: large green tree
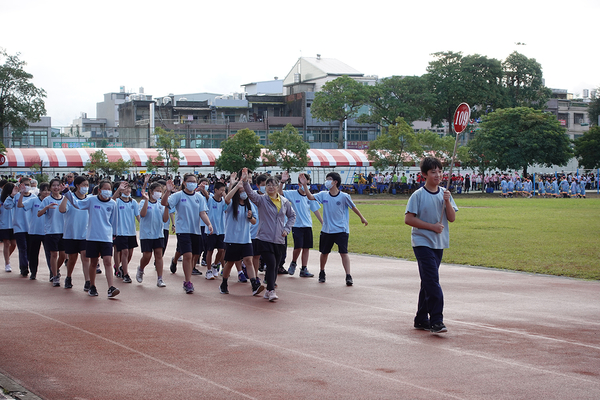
x: 21, y: 102
x: 394, y: 148
x: 515, y: 138
x: 99, y: 163
x: 524, y: 83
x: 594, y: 109
x: 288, y: 149
x: 239, y: 151
x: 587, y: 148
x: 168, y: 143
x: 339, y: 100
x: 430, y: 143
x: 397, y: 96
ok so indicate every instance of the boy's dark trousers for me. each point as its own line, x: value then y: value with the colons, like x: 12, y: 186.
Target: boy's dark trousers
x: 431, y: 298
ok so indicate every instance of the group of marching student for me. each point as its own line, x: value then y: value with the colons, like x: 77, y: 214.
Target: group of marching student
x: 71, y: 222
x: 554, y: 187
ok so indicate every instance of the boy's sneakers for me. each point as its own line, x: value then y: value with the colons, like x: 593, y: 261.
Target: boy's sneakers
x: 257, y: 287
x: 281, y: 270
x: 292, y: 268
x: 438, y: 328
x: 86, y: 286
x: 174, y: 266
x: 139, y: 275
x: 98, y: 270
x: 126, y: 278
x: 113, y: 291
x: 241, y: 277
x: 93, y: 291
x: 160, y: 283
x: 305, y: 274
x: 244, y: 270
x: 270, y: 295
x: 56, y: 281
x: 203, y: 263
x: 7, y: 268
x: 215, y: 270
x: 322, y: 276
x: 223, y: 288
x: 68, y: 283
x: 195, y: 271
x: 349, y: 281
x: 209, y: 274
x: 188, y: 287
x: 423, y: 326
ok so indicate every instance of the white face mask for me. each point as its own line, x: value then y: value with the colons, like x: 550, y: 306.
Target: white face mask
x: 156, y: 195
x: 262, y: 189
x: 106, y: 193
x: 243, y: 195
x: 191, y: 186
x: 83, y: 190
x: 125, y: 195
x: 328, y: 184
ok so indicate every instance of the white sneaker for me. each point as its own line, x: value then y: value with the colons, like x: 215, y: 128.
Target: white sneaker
x: 160, y: 283
x: 272, y: 296
x: 209, y: 275
x: 139, y: 276
x: 7, y: 268
x: 180, y: 258
x: 266, y: 295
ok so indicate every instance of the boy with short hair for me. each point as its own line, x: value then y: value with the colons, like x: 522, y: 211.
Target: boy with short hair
x: 428, y: 211
x: 336, y: 227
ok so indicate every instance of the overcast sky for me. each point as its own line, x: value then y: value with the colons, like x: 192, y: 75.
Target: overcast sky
x: 79, y: 50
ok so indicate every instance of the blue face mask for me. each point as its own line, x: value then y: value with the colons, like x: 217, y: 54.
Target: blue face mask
x: 328, y: 184
x: 263, y: 189
x: 243, y: 195
x: 191, y: 186
x: 106, y: 193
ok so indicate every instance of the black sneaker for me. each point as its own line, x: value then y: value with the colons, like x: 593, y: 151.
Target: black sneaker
x: 322, y: 276
x: 113, y: 291
x: 119, y: 273
x: 261, y: 268
x: 126, y: 278
x: 195, y: 271
x: 423, y: 326
x: 305, y: 274
x: 98, y: 270
x: 223, y: 288
x: 173, y: 265
x: 86, y: 286
x: 438, y: 328
x: 93, y: 291
x: 257, y: 287
x: 281, y: 270
x: 32, y: 277
x: 349, y: 281
x: 68, y: 282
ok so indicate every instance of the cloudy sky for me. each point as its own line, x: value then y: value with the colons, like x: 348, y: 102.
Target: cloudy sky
x: 79, y: 50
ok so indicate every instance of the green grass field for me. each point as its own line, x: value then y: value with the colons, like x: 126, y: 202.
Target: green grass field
x: 550, y: 236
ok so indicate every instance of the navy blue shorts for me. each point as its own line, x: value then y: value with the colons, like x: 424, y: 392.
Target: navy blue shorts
x: 54, y: 242
x: 237, y: 251
x: 73, y: 246
x: 327, y: 240
x: 148, y: 245
x: 6, y: 234
x: 189, y: 243
x: 214, y: 242
x: 303, y: 238
x: 98, y: 249
x: 255, y: 247
x: 125, y: 242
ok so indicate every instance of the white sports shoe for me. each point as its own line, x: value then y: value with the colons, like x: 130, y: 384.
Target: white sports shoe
x: 139, y: 275
x: 272, y: 296
x: 7, y: 268
x: 266, y: 295
x: 160, y: 283
x: 209, y: 275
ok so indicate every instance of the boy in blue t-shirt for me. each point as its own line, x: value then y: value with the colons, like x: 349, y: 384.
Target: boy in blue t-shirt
x: 428, y: 211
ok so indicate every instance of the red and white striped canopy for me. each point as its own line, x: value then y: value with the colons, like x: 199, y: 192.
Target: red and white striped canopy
x: 77, y: 158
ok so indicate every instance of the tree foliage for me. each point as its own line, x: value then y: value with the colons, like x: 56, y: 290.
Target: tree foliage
x: 288, y: 149
x: 99, y: 162
x: 430, y: 143
x: 38, y: 173
x: 339, y: 100
x: 21, y: 101
x: 398, y: 96
x: 168, y: 143
x: 394, y: 148
x: 524, y: 83
x: 241, y: 150
x: 587, y: 148
x: 594, y: 109
x: 515, y: 138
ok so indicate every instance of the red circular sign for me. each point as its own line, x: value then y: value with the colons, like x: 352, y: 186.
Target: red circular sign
x: 2, y: 159
x: 462, y: 115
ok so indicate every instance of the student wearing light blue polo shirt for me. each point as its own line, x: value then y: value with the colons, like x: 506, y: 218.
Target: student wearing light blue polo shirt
x: 21, y: 222
x: 54, y: 226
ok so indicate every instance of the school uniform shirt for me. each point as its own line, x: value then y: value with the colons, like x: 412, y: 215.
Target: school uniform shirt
x: 335, y: 211
x: 76, y: 223
x: 428, y: 206
x: 555, y: 187
x: 36, y: 224
x: 54, y: 222
x: 102, y: 216
x: 302, y: 206
x: 188, y: 207
x: 254, y: 228
x: 126, y: 213
x: 21, y: 216
x: 216, y: 214
x: 6, y: 216
x: 564, y: 186
x: 152, y: 225
x: 237, y: 230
